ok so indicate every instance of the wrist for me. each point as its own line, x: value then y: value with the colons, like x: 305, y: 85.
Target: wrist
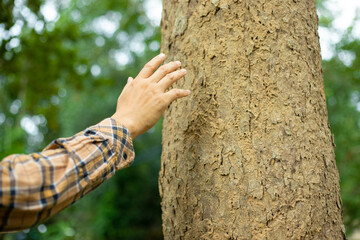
x: 128, y: 123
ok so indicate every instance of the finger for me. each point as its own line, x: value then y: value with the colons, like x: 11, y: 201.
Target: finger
x: 130, y: 79
x: 175, y: 93
x: 150, y: 67
x: 164, y: 70
x: 171, y: 78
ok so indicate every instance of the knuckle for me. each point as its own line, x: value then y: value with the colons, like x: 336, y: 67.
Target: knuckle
x: 142, y: 86
x: 171, y: 77
x: 149, y: 65
x: 164, y: 68
x: 154, y: 92
x: 147, y: 86
x: 177, y: 93
x: 161, y: 101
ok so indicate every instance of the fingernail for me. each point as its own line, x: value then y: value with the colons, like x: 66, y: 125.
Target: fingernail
x: 188, y: 91
x: 161, y: 55
x: 178, y: 63
x: 183, y: 70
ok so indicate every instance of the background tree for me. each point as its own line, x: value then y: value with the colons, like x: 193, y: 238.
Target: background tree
x: 251, y: 155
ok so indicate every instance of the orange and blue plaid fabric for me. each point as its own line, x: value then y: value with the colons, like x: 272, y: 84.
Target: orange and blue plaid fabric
x: 36, y: 186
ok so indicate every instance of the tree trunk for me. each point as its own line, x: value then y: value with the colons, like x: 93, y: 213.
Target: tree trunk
x: 250, y: 154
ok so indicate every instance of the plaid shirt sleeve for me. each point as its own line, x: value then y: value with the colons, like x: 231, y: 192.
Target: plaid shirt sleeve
x: 36, y: 186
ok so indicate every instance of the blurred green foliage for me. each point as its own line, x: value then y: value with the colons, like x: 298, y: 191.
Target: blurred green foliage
x: 343, y: 101
x: 62, y: 75
x: 342, y: 88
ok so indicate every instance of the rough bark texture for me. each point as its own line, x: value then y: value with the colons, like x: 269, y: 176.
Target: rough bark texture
x: 250, y: 154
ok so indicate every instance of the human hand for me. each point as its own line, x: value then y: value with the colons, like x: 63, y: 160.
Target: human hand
x: 144, y: 99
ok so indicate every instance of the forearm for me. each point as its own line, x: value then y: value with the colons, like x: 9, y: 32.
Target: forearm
x: 36, y: 186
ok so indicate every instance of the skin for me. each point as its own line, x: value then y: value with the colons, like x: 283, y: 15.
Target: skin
x: 145, y: 98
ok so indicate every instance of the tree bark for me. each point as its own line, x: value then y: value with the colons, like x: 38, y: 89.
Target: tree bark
x: 250, y: 154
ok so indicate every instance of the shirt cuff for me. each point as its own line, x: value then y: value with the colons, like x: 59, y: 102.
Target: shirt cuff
x: 119, y: 138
